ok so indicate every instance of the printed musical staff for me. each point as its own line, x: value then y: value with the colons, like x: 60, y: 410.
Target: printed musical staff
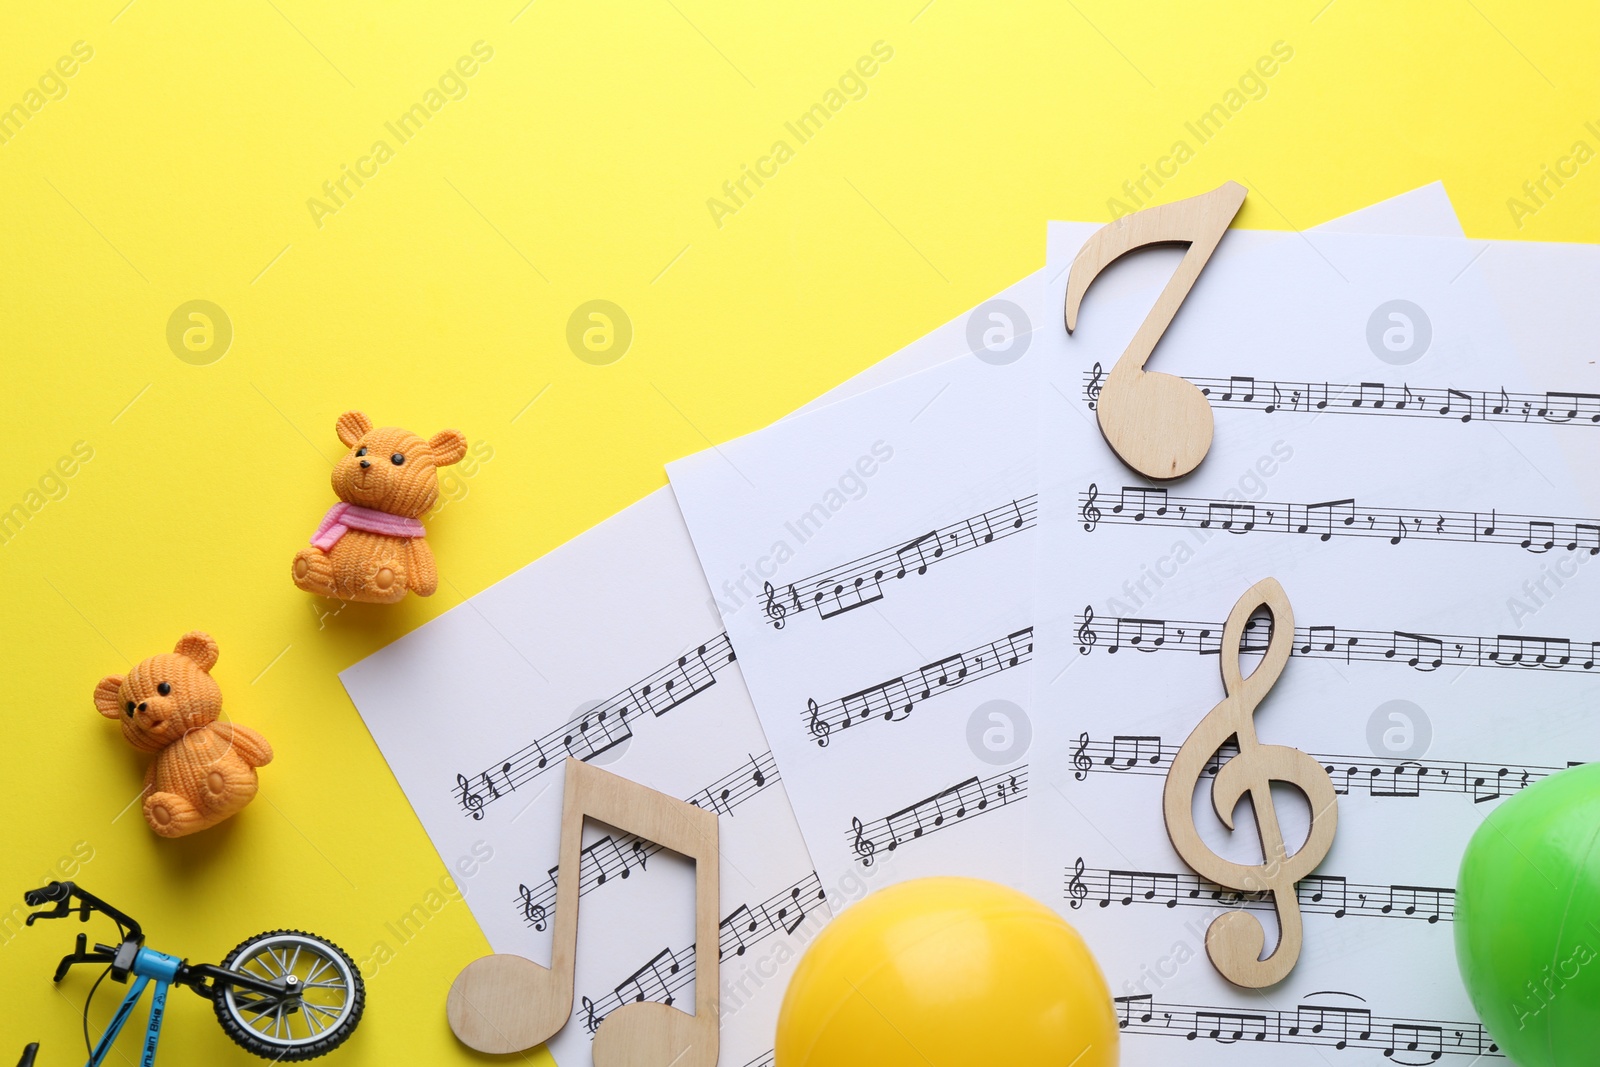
x: 1377, y: 776
x: 1319, y: 894
x: 1340, y: 1026
x: 616, y: 858
x: 948, y: 807
x: 666, y: 973
x: 1268, y: 395
x: 598, y: 730
x: 861, y: 581
x: 1344, y: 518
x: 892, y: 701
x: 1419, y: 651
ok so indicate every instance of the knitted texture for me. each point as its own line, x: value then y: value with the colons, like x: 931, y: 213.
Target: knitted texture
x: 204, y: 771
x: 376, y: 557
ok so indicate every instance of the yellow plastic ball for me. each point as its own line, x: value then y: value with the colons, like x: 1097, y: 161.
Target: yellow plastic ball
x: 948, y: 972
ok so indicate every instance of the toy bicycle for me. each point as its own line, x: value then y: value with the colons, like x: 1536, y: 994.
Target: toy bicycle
x: 283, y: 995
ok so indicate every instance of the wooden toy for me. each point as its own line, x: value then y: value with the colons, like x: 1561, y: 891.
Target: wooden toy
x: 1527, y: 920
x: 505, y: 1003
x: 948, y: 971
x: 1158, y: 424
x: 371, y: 545
x: 1235, y: 939
x: 204, y: 771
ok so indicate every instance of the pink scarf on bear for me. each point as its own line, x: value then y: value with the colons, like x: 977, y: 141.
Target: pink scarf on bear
x: 342, y: 518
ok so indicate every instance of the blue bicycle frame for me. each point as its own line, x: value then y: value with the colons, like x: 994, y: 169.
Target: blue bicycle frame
x: 148, y: 966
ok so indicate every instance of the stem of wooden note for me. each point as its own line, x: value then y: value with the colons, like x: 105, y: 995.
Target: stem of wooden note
x: 505, y: 1003
x: 1235, y: 939
x: 1158, y: 424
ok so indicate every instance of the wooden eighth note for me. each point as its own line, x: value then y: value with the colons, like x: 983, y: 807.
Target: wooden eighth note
x: 505, y: 1003
x: 1158, y: 424
x: 1235, y: 940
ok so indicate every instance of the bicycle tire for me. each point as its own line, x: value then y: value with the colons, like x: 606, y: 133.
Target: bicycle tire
x: 230, y: 1013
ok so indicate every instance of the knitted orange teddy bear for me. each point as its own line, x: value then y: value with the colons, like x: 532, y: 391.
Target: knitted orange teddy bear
x: 204, y: 771
x: 370, y: 546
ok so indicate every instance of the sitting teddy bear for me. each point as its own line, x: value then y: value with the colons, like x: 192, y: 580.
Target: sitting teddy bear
x: 204, y: 771
x: 370, y: 547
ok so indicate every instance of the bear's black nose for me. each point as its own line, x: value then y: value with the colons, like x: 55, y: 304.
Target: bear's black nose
x: 142, y: 707
x: 364, y: 463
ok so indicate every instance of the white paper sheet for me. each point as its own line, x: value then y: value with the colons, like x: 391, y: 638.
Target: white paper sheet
x: 1413, y: 678
x: 871, y: 561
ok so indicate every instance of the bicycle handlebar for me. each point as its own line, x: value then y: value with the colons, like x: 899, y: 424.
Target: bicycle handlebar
x: 61, y: 894
x: 28, y: 1055
x: 38, y: 898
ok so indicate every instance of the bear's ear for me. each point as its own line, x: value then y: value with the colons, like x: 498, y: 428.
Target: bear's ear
x: 106, y: 696
x: 198, y: 646
x: 448, y: 447
x: 350, y: 427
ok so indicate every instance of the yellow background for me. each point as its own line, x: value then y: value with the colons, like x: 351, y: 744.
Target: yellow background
x: 178, y: 167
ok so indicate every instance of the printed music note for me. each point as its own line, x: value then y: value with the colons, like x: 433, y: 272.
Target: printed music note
x: 923, y: 557
x: 505, y: 1003
x: 1082, y: 764
x: 1139, y: 502
x: 1156, y: 423
x: 1372, y: 393
x: 836, y: 598
x: 1319, y: 518
x: 1418, y: 650
x: 1243, y: 385
x: 1146, y: 635
x: 1236, y: 939
x: 1229, y: 516
x: 1127, y: 751
x: 1570, y: 407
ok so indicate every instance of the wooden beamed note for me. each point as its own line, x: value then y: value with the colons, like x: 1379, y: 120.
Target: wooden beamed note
x: 1158, y: 424
x: 1235, y: 939
x: 505, y: 1003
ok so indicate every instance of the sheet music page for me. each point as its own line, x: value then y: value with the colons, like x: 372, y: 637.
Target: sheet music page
x: 1381, y: 451
x: 871, y: 561
x: 607, y: 651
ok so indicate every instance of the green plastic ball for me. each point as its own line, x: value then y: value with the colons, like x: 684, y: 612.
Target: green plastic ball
x: 1527, y: 921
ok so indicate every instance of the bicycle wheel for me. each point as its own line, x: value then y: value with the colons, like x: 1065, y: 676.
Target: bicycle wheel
x: 313, y: 1018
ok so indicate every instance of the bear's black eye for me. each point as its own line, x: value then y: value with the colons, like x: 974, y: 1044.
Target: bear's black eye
x: 130, y: 707
x: 361, y: 451
x: 164, y: 688
x: 397, y: 459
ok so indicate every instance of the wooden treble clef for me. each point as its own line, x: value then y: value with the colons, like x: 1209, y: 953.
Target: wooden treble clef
x: 1236, y: 939
x: 1158, y: 424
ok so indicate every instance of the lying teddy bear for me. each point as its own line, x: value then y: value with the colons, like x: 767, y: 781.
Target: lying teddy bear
x: 370, y: 547
x: 204, y: 771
